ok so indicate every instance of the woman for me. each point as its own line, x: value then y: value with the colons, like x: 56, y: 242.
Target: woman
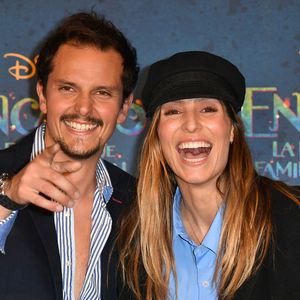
x: 204, y: 224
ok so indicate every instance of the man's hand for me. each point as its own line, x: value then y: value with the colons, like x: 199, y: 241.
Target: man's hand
x: 45, y: 177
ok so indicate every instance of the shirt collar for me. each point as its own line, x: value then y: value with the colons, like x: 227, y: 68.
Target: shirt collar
x: 103, y: 179
x: 211, y: 240
x: 39, y: 141
x: 102, y: 176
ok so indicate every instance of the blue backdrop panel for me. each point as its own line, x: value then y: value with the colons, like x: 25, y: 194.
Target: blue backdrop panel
x: 261, y: 37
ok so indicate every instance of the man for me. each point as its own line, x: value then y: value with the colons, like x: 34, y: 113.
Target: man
x: 62, y: 206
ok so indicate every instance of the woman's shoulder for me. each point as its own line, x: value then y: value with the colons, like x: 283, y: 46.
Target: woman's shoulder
x: 282, y: 195
x: 278, y: 276
x: 285, y: 207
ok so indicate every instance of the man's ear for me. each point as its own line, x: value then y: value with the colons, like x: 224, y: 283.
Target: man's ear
x: 125, y: 109
x: 41, y: 94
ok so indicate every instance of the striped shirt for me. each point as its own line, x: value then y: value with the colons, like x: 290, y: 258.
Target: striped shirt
x: 64, y: 225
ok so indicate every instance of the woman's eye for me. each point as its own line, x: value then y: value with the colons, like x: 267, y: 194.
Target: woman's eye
x: 171, y: 112
x: 208, y: 109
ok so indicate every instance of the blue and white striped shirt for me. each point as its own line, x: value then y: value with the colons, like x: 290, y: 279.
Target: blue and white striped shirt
x: 64, y: 224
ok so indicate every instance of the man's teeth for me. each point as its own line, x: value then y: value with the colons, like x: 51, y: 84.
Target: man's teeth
x: 193, y: 145
x: 80, y: 126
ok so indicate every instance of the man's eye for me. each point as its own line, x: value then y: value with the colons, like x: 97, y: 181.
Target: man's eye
x: 103, y: 93
x: 66, y: 88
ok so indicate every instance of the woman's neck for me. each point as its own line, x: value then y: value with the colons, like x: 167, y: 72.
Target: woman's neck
x: 198, y: 209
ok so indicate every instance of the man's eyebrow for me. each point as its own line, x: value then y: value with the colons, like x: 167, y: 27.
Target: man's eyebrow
x: 62, y: 81
x: 99, y: 87
x: 108, y: 87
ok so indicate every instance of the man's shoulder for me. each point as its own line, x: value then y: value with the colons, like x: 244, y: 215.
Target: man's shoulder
x: 118, y: 175
x: 21, y: 141
x: 14, y: 157
x: 121, y: 181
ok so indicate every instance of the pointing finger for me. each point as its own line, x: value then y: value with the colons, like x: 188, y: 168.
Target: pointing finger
x: 51, y: 151
x: 66, y: 166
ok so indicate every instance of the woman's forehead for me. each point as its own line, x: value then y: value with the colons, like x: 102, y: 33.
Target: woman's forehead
x: 193, y: 100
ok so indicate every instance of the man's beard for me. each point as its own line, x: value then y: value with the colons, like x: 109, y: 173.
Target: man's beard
x: 76, y: 154
x: 69, y: 151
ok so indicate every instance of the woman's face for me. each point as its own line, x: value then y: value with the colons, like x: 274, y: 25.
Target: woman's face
x: 195, y: 135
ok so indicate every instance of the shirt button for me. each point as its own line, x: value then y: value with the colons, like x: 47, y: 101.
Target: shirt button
x: 67, y: 214
x: 205, y: 283
x: 68, y: 263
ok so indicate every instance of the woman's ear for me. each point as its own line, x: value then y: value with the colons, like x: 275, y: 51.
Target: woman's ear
x: 231, y: 134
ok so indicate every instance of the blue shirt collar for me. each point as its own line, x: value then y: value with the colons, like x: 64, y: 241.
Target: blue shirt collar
x: 211, y: 240
x: 103, y: 179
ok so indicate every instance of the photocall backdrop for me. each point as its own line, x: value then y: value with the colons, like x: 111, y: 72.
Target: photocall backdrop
x: 261, y: 37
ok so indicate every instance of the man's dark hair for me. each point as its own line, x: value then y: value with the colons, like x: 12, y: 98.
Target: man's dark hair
x: 92, y: 30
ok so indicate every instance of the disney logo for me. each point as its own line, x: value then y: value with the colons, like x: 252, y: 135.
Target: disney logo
x: 24, y: 67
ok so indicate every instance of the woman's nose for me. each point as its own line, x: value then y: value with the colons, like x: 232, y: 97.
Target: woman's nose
x: 191, y: 122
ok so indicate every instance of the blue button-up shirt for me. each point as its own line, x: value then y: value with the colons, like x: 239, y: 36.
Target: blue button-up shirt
x: 195, y: 264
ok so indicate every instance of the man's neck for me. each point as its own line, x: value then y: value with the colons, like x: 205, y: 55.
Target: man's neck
x: 85, y: 178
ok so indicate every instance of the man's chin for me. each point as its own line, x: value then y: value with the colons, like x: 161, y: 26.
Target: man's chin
x: 78, y: 155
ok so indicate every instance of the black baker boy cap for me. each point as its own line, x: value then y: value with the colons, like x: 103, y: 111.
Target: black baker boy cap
x: 193, y: 74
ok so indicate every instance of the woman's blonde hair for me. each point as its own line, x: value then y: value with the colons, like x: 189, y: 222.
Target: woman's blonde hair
x: 145, y: 239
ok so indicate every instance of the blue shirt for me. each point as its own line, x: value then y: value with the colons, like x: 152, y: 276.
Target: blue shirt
x: 195, y: 264
x: 5, y: 228
x: 64, y: 225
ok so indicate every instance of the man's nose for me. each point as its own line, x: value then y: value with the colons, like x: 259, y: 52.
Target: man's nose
x: 83, y: 104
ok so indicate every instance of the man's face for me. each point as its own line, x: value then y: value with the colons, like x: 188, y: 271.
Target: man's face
x: 83, y: 99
